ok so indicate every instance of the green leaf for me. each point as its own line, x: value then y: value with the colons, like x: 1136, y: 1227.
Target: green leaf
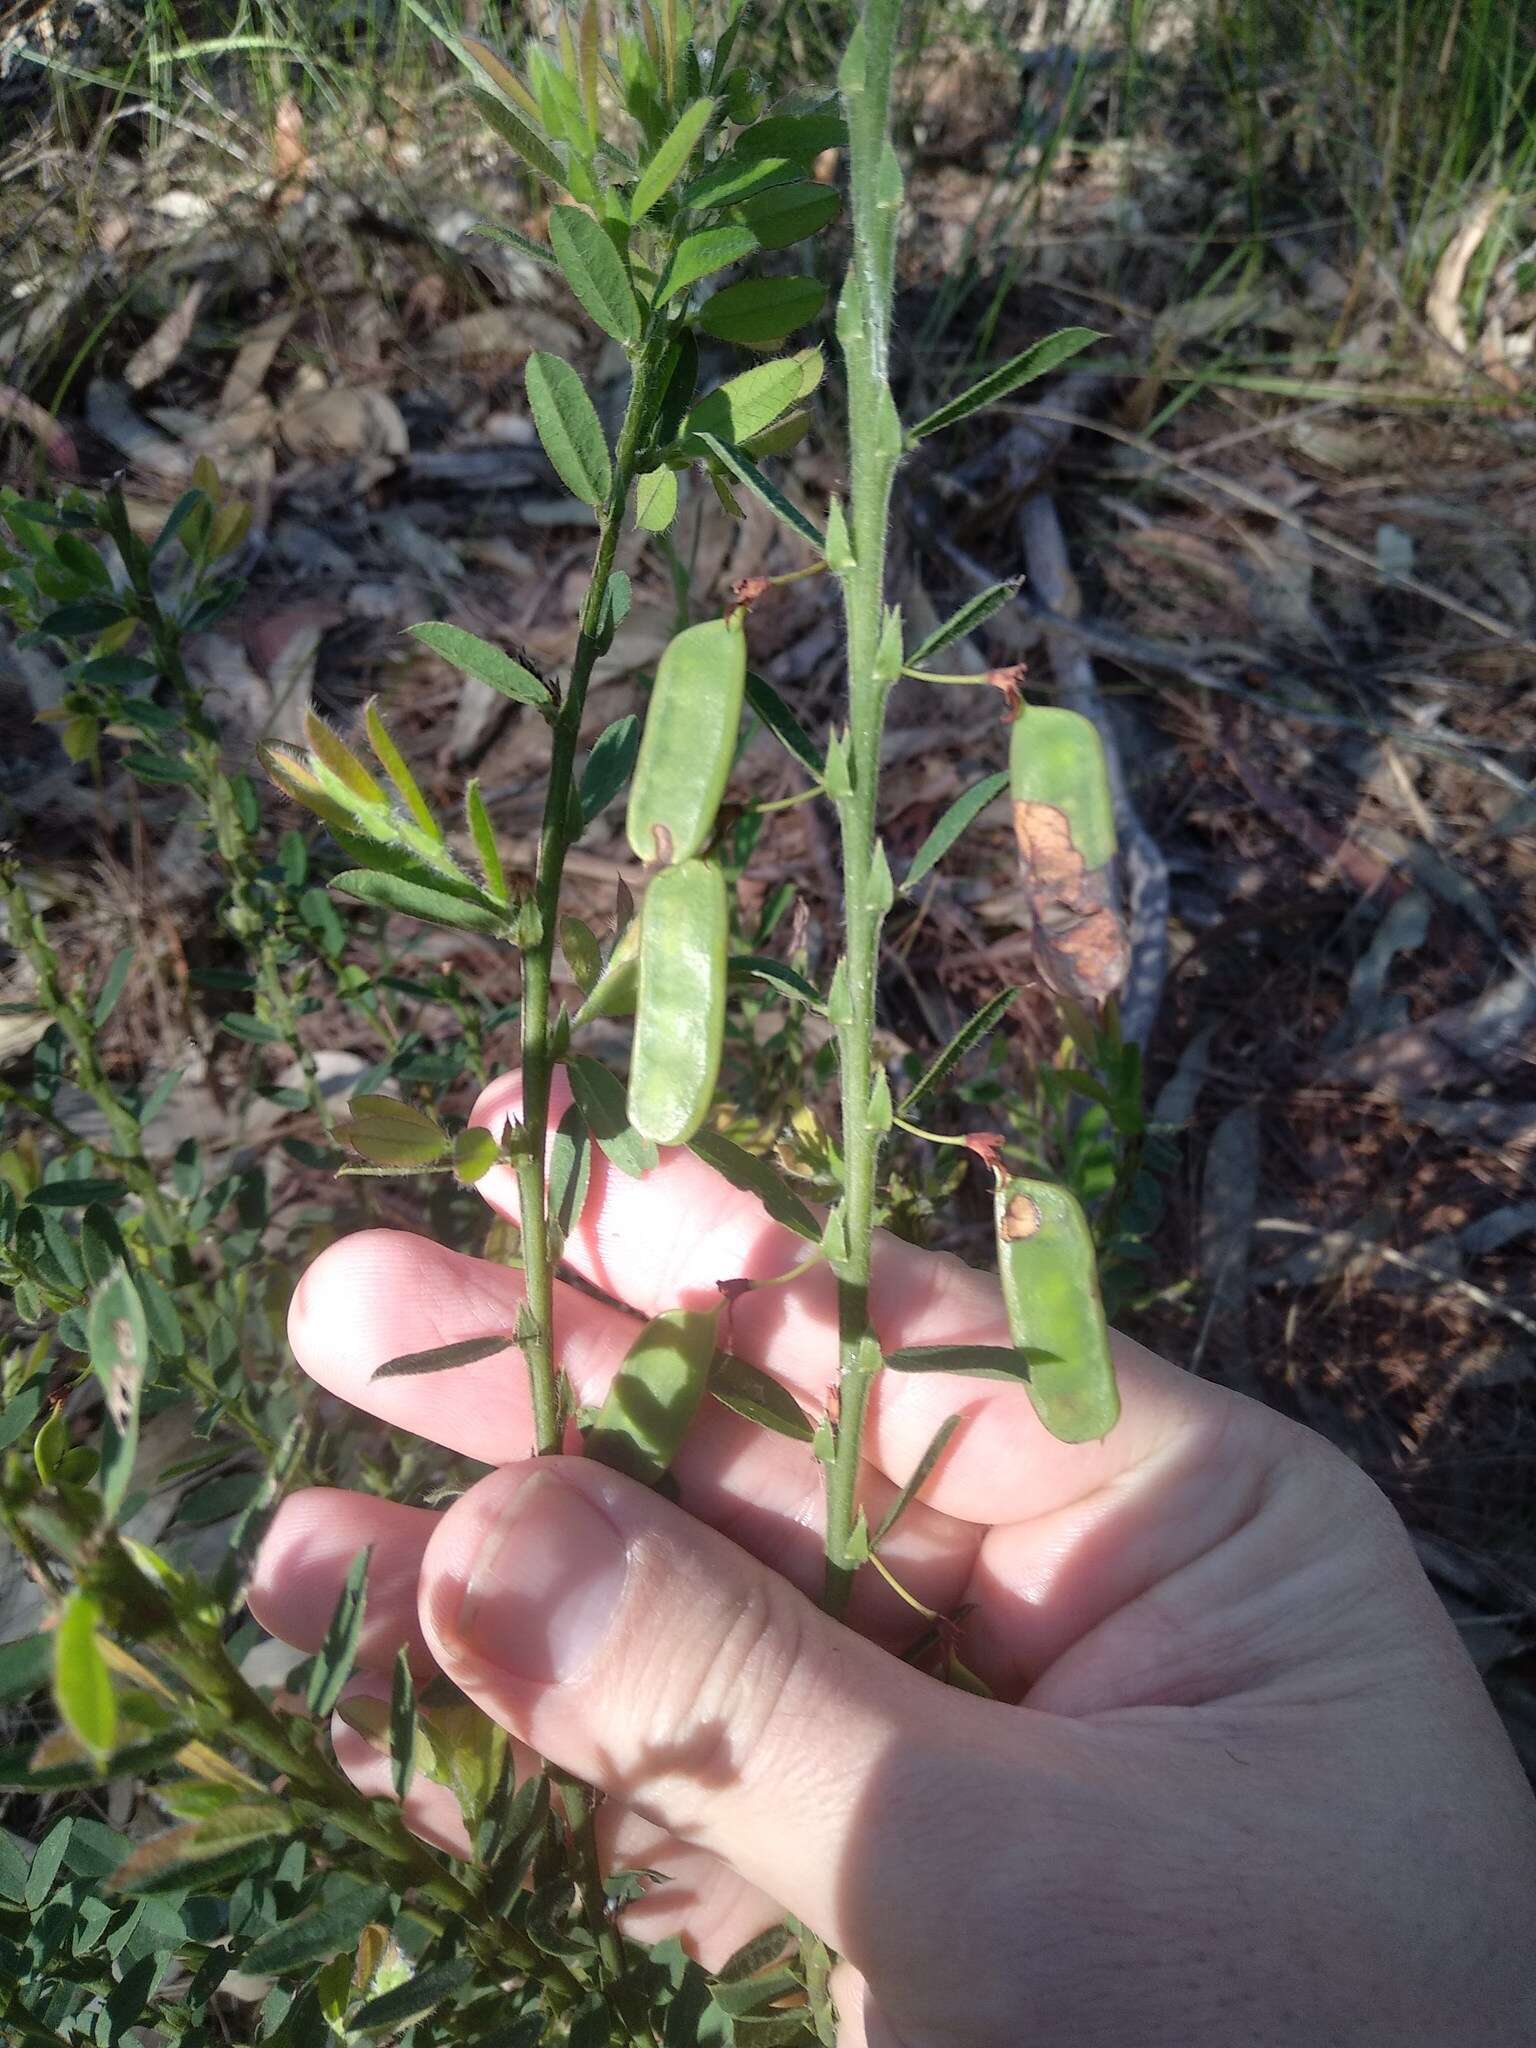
x: 82, y: 1685
x: 595, y: 272
x: 798, y: 136
x: 609, y: 765
x: 334, y: 1659
x: 655, y: 1394
x: 745, y: 405
x: 395, y: 2010
x: 736, y: 178
x: 444, y: 1357
x: 763, y: 967
x: 600, y: 1096
x: 580, y: 948
x: 317, y: 1934
x: 1035, y: 362
x: 569, y: 428
x: 117, y: 1333
x: 513, y: 240
x: 976, y: 1361
x: 46, y: 1858
x: 390, y: 1133
x: 416, y: 899
x: 538, y: 154
x: 760, y: 311
x: 965, y: 807
x: 24, y: 1666
x: 396, y: 767
x: 759, y: 1177
x: 487, y: 847
x: 225, y: 1843
x: 475, y: 1152
x: 487, y: 664
x: 656, y: 500
x: 112, y: 987
x: 917, y: 1482
x: 671, y: 159
x: 570, y: 1171
x: 975, y: 612
x: 783, y: 724
x: 90, y: 616
x: 402, y: 1725
x: 758, y: 1398
x: 789, y: 213
x: 700, y: 255
x: 971, y: 1033
x: 746, y: 471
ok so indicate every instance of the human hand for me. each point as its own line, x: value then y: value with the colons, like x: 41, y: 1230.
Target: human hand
x: 1239, y: 1784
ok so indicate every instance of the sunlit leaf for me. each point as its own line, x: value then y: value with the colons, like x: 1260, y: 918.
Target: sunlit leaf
x: 760, y: 311
x: 595, y: 272
x: 333, y: 1661
x: 82, y: 1685
x: 670, y: 159
x: 967, y: 806
x: 486, y: 663
x: 972, y: 1032
x: 1008, y: 377
x: 973, y: 613
x: 444, y: 1357
x: 569, y: 428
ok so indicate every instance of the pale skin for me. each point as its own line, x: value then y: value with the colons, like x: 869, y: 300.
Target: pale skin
x: 1240, y: 1785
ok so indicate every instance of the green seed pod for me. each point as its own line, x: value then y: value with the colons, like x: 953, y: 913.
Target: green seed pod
x: 1050, y: 1276
x: 689, y: 740
x: 680, y: 1010
x: 655, y: 1394
x: 1056, y: 757
x: 1064, y: 822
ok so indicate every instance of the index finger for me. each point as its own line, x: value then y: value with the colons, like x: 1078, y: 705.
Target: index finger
x: 668, y: 1239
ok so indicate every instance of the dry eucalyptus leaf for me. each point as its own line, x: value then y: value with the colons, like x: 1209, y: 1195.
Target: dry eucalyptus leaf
x: 152, y: 358
x: 253, y: 359
x: 110, y: 414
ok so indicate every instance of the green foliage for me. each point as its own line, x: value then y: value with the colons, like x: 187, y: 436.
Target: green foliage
x: 154, y: 1289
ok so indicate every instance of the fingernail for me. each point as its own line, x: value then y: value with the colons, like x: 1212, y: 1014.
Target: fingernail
x: 545, y: 1584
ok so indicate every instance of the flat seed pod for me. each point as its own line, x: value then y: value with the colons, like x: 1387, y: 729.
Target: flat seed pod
x: 1050, y: 1278
x: 655, y: 1394
x: 680, y: 1009
x: 1064, y: 823
x: 689, y: 741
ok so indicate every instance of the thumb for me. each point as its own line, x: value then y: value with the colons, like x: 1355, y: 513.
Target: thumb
x: 644, y: 1652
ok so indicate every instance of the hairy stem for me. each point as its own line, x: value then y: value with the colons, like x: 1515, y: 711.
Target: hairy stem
x: 874, y: 436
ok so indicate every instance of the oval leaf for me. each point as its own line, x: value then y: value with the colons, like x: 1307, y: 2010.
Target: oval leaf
x: 595, y: 272
x: 671, y: 159
x: 82, y: 1685
x: 701, y: 254
x: 485, y: 662
x: 569, y: 428
x: 600, y: 1098
x: 756, y: 1176
x: 761, y: 311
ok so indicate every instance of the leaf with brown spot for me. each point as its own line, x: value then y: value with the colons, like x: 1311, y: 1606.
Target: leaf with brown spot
x: 1081, y: 947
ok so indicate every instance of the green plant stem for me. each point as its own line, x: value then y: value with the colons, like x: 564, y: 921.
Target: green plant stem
x: 874, y: 434
x: 561, y: 826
